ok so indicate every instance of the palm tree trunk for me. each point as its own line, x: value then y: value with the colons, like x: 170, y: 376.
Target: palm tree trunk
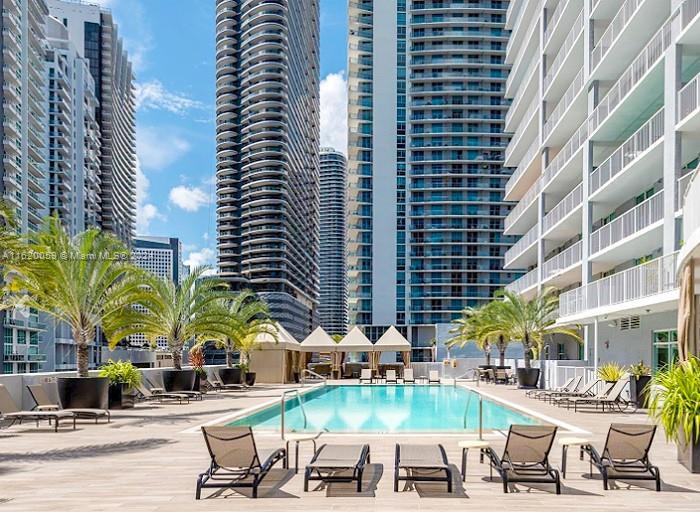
x: 487, y: 353
x: 229, y: 358
x: 81, y: 352
x: 501, y: 351
x: 527, y: 353
x: 177, y: 358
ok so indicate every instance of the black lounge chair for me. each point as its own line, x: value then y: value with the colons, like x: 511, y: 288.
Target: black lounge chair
x: 235, y: 462
x: 422, y: 463
x: 156, y: 390
x: 9, y: 411
x: 44, y: 403
x: 337, y: 463
x: 626, y: 454
x: 219, y: 384
x: 146, y: 394
x: 526, y: 456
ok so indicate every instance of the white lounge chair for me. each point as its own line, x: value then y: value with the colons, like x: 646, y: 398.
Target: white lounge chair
x: 433, y: 377
x: 366, y: 376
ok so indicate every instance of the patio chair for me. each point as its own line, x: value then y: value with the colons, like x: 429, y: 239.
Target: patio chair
x: 147, y: 395
x: 569, y: 385
x: 421, y: 463
x: 235, y: 461
x: 501, y: 376
x: 433, y: 377
x: 526, y: 456
x: 390, y: 377
x: 337, y: 463
x: 626, y: 454
x: 408, y: 377
x: 366, y: 376
x: 612, y: 397
x: 10, y: 411
x: 219, y: 384
x: 559, y: 397
x: 44, y: 403
x: 194, y: 395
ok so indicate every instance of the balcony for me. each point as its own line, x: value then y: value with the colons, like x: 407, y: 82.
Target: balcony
x: 526, y: 173
x: 689, y: 106
x: 564, y: 171
x: 522, y: 22
x: 690, y: 23
x: 527, y: 50
x: 523, y: 97
x: 566, y: 63
x: 649, y: 286
x: 564, y: 220
x: 523, y: 284
x: 634, y: 233
x: 524, y: 252
x: 682, y: 188
x: 564, y: 268
x: 691, y: 225
x: 567, y: 114
x: 523, y: 137
x: 560, y: 20
x: 524, y: 214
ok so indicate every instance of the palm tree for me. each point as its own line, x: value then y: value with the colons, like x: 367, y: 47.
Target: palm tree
x: 470, y: 327
x: 530, y: 321
x: 190, y: 311
x: 247, y: 318
x: 86, y: 281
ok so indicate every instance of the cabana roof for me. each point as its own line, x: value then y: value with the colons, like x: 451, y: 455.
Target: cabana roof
x: 318, y: 341
x: 355, y: 341
x: 284, y: 339
x: 392, y: 341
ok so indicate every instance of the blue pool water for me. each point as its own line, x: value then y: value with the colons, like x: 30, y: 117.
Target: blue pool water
x: 386, y: 409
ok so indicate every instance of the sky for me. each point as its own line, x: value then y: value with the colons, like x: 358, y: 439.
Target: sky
x: 171, y: 45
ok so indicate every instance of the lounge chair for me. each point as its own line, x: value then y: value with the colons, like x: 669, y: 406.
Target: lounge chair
x: 44, y: 403
x: 10, y: 411
x: 366, y: 376
x: 408, y: 377
x: 337, y: 463
x: 526, y: 456
x: 569, y: 385
x: 626, y: 454
x: 433, y: 377
x: 235, y: 461
x: 219, y: 385
x: 559, y: 397
x: 501, y: 376
x: 146, y: 394
x: 390, y: 377
x: 611, y: 397
x: 194, y: 395
x: 422, y: 463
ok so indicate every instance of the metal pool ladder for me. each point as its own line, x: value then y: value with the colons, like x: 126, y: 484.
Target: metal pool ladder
x: 283, y: 400
x: 481, y: 413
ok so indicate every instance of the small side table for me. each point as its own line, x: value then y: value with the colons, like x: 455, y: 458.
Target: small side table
x: 481, y: 445
x: 565, y: 442
x: 297, y: 438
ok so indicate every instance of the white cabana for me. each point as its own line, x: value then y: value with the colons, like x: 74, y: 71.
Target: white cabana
x: 276, y: 356
x: 318, y: 341
x: 355, y: 341
x: 281, y: 339
x: 393, y: 341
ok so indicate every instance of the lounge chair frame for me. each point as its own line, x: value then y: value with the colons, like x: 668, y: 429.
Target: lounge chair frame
x: 325, y: 474
x: 394, y: 380
x: 430, y: 377
x: 17, y: 415
x: 417, y: 477
x: 42, y: 404
x: 147, y: 395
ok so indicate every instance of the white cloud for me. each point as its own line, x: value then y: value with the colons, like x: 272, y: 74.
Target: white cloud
x: 190, y: 199
x: 206, y: 256
x: 145, y: 212
x: 157, y: 149
x: 153, y: 95
x: 334, y: 111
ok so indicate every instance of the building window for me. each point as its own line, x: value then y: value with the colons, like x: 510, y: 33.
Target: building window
x: 665, y: 348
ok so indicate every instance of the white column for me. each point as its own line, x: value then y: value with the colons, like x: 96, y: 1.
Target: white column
x: 672, y: 144
x: 595, y: 345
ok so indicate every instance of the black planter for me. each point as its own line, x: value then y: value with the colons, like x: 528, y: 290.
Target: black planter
x: 527, y: 377
x: 639, y: 390
x: 230, y: 375
x: 178, y: 380
x: 688, y: 454
x: 121, y: 396
x: 249, y: 378
x: 197, y: 380
x: 83, y: 392
x: 296, y: 377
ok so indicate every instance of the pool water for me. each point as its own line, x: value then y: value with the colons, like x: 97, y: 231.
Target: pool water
x: 391, y: 408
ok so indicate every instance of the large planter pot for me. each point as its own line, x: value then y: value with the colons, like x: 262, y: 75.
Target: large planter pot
x: 121, y: 396
x: 230, y: 375
x: 178, y: 380
x: 527, y: 377
x: 688, y: 453
x: 639, y: 390
x: 249, y: 378
x: 83, y: 392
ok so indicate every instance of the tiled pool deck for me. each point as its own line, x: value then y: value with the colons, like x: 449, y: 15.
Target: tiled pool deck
x: 145, y: 460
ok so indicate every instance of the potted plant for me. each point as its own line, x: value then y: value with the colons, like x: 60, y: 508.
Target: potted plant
x: 640, y: 376
x: 673, y: 402
x: 197, y: 362
x: 123, y: 377
x: 611, y: 372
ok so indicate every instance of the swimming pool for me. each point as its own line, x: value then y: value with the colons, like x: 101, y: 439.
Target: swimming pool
x: 391, y: 408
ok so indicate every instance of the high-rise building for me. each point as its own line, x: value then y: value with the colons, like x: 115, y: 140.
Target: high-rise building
x: 333, y: 301
x: 267, y: 135
x: 425, y: 162
x: 605, y: 119
x: 93, y: 32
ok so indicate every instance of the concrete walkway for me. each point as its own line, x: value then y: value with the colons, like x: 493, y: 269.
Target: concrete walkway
x: 144, y: 461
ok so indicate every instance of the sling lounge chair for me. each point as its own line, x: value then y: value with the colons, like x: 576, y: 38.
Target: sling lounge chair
x: 44, y: 403
x: 337, y: 463
x: 194, y: 395
x: 433, y: 377
x: 569, y: 385
x: 219, y: 384
x: 390, y: 377
x: 626, y: 454
x: 526, y: 456
x: 560, y: 397
x: 611, y: 398
x: 235, y: 461
x: 421, y: 463
x: 408, y: 377
x: 146, y: 394
x: 366, y: 376
x: 501, y: 376
x: 14, y: 414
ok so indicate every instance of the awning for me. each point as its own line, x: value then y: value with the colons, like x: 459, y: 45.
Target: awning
x: 318, y: 341
x: 284, y: 339
x: 355, y: 341
x: 392, y: 341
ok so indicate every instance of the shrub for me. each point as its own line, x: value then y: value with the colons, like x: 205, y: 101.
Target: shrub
x: 121, y: 372
x: 611, y: 372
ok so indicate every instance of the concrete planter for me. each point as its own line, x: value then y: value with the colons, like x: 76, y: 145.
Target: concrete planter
x: 178, y: 380
x: 230, y: 375
x: 688, y: 453
x: 83, y: 392
x: 121, y: 396
x: 527, y: 377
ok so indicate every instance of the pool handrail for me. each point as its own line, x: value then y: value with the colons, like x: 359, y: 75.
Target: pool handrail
x: 481, y: 413
x: 313, y: 374
x: 301, y: 406
x: 475, y: 376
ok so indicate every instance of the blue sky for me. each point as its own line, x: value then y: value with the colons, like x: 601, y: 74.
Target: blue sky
x: 171, y: 43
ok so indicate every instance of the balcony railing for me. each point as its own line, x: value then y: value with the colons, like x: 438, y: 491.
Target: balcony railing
x: 632, y: 75
x: 688, y: 98
x: 524, y: 164
x: 534, y: 106
x: 571, y: 147
x: 632, y: 221
x: 556, y: 64
x: 645, y: 280
x: 523, y: 204
x: 567, y: 205
x: 617, y: 25
x: 689, y: 9
x: 523, y: 283
x: 564, y: 103
x: 554, y: 19
x: 682, y: 188
x: 640, y: 141
x: 521, y: 89
x: 568, y: 257
x: 519, y: 247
